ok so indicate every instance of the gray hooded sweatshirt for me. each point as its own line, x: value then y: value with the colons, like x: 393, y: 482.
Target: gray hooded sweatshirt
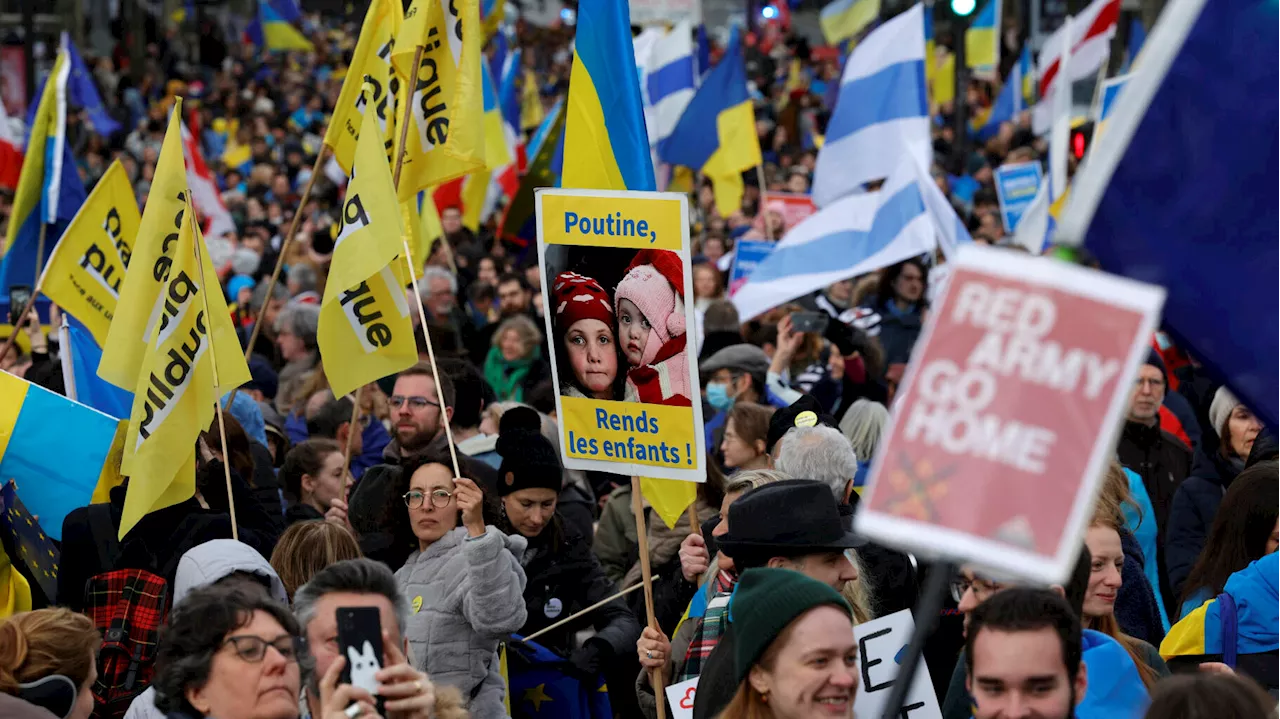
x: 466, y: 595
x: 199, y: 567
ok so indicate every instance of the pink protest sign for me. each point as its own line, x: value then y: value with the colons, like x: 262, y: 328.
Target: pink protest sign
x: 1009, y: 412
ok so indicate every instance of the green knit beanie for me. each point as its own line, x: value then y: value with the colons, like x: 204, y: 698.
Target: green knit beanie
x: 764, y: 602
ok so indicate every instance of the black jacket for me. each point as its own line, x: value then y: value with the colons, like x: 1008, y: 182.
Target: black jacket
x: 1163, y: 462
x: 567, y: 578
x: 1136, y: 610
x: 1191, y: 514
x: 719, y: 679
x: 159, y: 539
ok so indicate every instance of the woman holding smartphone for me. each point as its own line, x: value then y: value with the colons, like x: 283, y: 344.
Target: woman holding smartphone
x: 464, y: 582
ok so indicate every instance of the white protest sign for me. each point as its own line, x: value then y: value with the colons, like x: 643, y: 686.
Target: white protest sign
x: 680, y: 698
x: 881, y: 645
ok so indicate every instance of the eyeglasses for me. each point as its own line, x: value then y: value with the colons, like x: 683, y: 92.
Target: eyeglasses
x: 252, y: 649
x: 1152, y: 382
x: 398, y: 401
x: 982, y: 589
x: 439, y: 499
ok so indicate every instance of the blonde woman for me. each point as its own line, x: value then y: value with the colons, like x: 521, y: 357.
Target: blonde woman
x: 515, y: 365
x: 45, y: 648
x: 307, y: 547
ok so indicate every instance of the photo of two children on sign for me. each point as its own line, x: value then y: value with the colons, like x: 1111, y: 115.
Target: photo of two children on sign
x: 618, y: 324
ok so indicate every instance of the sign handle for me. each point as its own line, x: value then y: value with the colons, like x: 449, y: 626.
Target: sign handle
x: 926, y: 620
x: 692, y: 513
x: 213, y: 364
x: 351, y: 430
x: 655, y: 676
x: 431, y: 353
x: 768, y: 231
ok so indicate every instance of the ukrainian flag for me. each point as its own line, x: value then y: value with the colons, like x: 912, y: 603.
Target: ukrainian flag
x: 54, y: 475
x: 982, y: 39
x: 518, y: 222
x: 274, y: 28
x: 844, y: 19
x: 1212, y: 629
x: 606, y: 145
x: 1013, y: 98
x: 735, y: 147
x: 49, y: 188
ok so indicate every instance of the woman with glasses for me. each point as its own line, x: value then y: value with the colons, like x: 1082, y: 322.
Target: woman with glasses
x: 232, y: 654
x: 463, y: 581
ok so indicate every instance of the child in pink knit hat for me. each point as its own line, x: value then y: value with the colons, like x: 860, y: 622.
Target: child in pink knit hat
x: 651, y: 329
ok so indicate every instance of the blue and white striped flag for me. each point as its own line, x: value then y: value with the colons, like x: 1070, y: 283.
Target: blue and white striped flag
x: 881, y: 112
x: 859, y: 233
x: 669, y: 81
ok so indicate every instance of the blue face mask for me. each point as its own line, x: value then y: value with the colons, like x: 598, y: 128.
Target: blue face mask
x: 718, y: 396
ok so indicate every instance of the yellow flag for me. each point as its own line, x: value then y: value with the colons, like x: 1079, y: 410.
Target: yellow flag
x: 153, y: 253
x: 531, y: 112
x: 371, y: 226
x: 365, y: 332
x: 370, y: 63
x: 669, y: 497
x: 184, y: 370
x: 446, y: 132
x: 474, y: 190
x: 88, y: 264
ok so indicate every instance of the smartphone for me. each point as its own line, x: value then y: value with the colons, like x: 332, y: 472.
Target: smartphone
x: 19, y: 296
x: 809, y: 322
x: 360, y: 641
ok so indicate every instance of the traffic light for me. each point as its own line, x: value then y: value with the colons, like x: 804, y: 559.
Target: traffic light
x: 1081, y: 136
x: 963, y: 8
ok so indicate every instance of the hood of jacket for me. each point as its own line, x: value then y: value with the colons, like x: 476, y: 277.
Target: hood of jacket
x: 213, y: 560
x: 1114, y: 687
x: 12, y: 707
x: 479, y: 444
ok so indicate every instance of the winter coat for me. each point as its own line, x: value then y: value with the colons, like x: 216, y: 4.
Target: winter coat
x: 159, y: 539
x: 897, y: 331
x: 378, y: 493
x: 12, y: 707
x: 1136, y: 610
x: 1139, y: 519
x: 467, y: 595
x: 1163, y: 462
x: 1191, y: 514
x: 575, y: 506
x: 564, y: 579
x: 201, y: 567
x: 616, y: 539
x: 292, y: 376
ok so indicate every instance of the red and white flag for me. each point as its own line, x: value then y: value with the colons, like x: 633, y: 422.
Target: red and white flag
x: 204, y: 190
x: 1090, y: 42
x: 10, y: 152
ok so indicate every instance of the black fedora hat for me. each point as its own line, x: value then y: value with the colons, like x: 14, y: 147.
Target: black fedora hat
x: 791, y: 517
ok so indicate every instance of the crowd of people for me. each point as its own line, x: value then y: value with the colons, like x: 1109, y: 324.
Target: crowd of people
x: 465, y: 540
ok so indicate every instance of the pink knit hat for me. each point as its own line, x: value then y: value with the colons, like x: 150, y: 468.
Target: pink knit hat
x: 655, y: 284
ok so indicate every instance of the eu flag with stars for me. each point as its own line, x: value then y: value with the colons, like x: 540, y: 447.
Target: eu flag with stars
x: 540, y: 684
x: 30, y: 549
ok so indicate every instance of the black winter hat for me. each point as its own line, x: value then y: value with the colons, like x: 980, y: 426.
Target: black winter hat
x: 804, y: 412
x: 789, y: 518
x: 528, y: 459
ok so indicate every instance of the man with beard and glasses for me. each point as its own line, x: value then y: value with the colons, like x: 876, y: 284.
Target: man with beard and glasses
x: 1023, y: 656
x: 420, y: 407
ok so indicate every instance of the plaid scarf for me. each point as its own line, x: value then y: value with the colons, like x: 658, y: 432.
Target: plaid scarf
x: 707, y: 634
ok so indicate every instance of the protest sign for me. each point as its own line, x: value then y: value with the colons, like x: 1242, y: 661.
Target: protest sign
x: 1009, y: 413
x: 746, y: 255
x: 1016, y: 187
x: 881, y: 644
x: 798, y: 206
x: 616, y: 276
x: 680, y: 698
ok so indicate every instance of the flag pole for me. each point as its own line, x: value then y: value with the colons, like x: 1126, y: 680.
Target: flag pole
x: 213, y: 363
x: 351, y: 430
x: 768, y: 231
x: 284, y: 251
x: 413, y: 274
x: 40, y: 252
x: 656, y: 677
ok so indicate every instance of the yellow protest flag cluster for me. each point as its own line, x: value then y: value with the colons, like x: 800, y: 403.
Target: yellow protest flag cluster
x: 365, y: 332
x: 191, y: 357
x: 445, y: 139
x: 371, y: 65
x: 88, y: 264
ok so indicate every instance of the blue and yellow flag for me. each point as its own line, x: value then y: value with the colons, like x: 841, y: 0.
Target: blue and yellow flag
x: 606, y: 145
x: 982, y: 39
x: 519, y: 223
x: 541, y: 684
x: 844, y: 19
x: 49, y: 190
x: 1252, y: 629
x: 735, y: 147
x: 54, y: 475
x: 34, y: 556
x: 275, y: 27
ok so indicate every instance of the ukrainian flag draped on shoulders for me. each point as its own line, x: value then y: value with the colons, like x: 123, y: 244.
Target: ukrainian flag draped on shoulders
x: 1213, y: 629
x: 606, y: 145
x: 735, y: 147
x: 365, y: 332
x: 49, y: 191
